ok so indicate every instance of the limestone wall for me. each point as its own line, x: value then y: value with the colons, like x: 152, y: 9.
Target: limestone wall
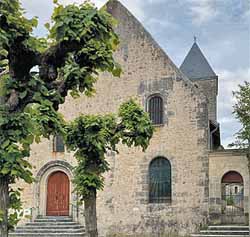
x: 123, y: 206
x: 209, y: 87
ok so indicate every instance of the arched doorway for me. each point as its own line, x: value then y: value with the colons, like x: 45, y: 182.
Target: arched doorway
x: 232, y: 193
x: 58, y: 194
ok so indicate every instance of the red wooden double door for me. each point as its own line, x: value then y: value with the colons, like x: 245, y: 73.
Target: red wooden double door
x: 58, y: 194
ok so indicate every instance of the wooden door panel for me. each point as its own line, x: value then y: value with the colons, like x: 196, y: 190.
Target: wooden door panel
x: 58, y: 194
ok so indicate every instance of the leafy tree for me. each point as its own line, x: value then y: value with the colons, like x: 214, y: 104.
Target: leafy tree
x: 79, y: 46
x: 91, y: 137
x: 242, y: 113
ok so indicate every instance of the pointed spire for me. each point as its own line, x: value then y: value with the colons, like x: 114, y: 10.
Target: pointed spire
x: 195, y: 65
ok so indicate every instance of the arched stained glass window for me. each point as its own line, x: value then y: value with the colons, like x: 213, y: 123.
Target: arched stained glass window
x: 58, y: 144
x: 160, y: 180
x: 155, y: 109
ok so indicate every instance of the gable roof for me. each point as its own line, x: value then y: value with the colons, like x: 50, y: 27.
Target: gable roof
x: 195, y: 65
x: 129, y: 26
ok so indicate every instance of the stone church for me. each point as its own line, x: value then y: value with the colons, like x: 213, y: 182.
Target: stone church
x: 183, y: 182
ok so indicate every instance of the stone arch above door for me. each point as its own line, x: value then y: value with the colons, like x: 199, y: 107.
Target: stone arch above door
x: 40, y: 192
x: 232, y: 177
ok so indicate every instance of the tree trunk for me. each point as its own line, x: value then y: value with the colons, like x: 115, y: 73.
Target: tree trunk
x: 4, y: 203
x: 90, y: 215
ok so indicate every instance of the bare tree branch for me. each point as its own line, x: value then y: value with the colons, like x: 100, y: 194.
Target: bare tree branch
x: 55, y: 57
x: 5, y: 72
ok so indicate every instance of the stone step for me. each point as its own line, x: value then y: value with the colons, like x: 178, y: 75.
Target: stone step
x: 53, y: 220
x: 54, y: 217
x: 228, y: 227
x: 224, y: 231
x: 54, y: 223
x: 46, y: 235
x: 50, y: 230
x: 32, y: 226
x: 217, y: 235
x: 230, y: 232
x: 50, y: 226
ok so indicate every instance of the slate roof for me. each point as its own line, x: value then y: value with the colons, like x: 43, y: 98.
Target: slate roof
x: 195, y: 65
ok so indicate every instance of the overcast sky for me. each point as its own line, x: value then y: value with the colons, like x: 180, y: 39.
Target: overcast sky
x: 222, y: 28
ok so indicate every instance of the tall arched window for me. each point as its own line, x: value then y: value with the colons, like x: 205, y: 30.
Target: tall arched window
x: 159, y: 180
x: 58, y: 144
x: 155, y: 109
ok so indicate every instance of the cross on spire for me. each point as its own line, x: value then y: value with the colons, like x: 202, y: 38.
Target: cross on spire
x: 195, y: 39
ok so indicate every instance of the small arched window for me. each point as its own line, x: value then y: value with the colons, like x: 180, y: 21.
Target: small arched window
x: 159, y: 180
x: 155, y: 109
x: 58, y: 144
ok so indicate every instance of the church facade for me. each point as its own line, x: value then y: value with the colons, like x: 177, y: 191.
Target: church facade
x: 183, y: 181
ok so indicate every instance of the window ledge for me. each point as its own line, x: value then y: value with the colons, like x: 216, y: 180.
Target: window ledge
x: 158, y: 125
x: 166, y: 201
x: 159, y: 203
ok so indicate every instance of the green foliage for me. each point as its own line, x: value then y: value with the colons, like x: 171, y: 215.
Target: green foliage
x: 15, y: 206
x: 78, y: 78
x: 230, y: 201
x: 136, y: 125
x: 92, y: 136
x: 90, y: 32
x: 15, y: 141
x: 80, y: 45
x: 242, y: 113
x: 13, y: 23
x: 14, y: 27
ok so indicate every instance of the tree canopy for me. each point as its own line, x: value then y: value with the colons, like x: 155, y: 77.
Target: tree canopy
x: 241, y: 110
x: 91, y: 137
x: 79, y: 45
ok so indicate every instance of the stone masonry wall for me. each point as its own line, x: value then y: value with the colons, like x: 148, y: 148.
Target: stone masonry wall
x: 209, y: 87
x: 123, y: 206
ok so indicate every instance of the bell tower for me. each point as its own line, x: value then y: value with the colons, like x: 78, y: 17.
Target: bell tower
x: 196, y: 67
